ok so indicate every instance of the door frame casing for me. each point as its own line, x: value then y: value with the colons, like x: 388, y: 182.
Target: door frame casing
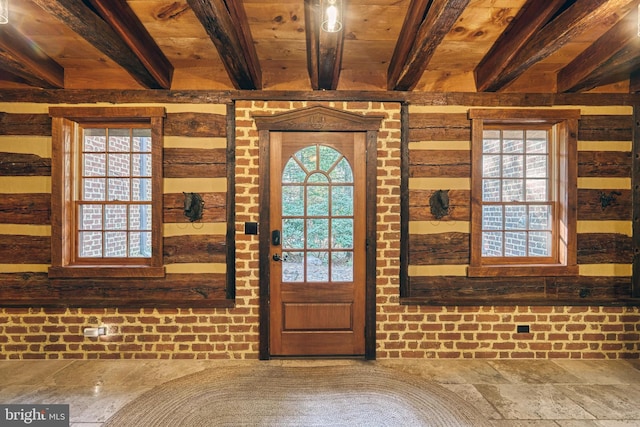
x: 318, y: 119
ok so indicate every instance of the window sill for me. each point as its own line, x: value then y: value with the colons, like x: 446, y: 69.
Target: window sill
x: 116, y: 271
x: 523, y: 270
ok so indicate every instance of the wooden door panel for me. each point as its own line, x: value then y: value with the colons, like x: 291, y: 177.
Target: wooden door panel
x: 338, y: 343
x: 317, y: 317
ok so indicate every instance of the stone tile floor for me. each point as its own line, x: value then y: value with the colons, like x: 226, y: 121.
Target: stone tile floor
x: 532, y: 393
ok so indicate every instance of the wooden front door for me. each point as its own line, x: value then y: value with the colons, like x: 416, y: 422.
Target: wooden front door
x: 317, y: 257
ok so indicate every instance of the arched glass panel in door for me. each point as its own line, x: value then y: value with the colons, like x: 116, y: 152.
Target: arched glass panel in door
x: 317, y: 216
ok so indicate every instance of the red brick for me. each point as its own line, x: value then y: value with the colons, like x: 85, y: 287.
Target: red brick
x: 412, y: 336
x: 486, y: 354
x: 540, y: 328
x: 202, y: 347
x: 93, y: 347
x: 204, y: 329
x: 449, y: 336
x: 450, y: 318
x: 429, y: 345
x: 115, y: 320
x: 629, y: 337
x: 576, y: 346
x: 111, y: 356
x: 165, y: 347
x: 503, y: 346
x: 145, y: 356
x: 149, y: 338
x: 524, y: 318
x: 170, y: 329
x: 130, y: 347
x: 34, y: 356
x: 53, y: 329
x: 504, y: 327
x: 449, y: 355
x: 540, y: 346
x: 593, y: 355
x: 593, y: 337
x: 412, y: 354
x: 558, y: 337
x: 488, y: 336
x: 73, y: 319
x: 522, y: 355
x: 184, y: 338
x: 131, y: 329
x: 33, y: 320
x: 612, y: 346
x: 467, y: 345
x: 55, y: 347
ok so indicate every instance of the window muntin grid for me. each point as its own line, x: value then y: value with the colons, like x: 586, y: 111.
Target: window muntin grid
x: 517, y: 200
x: 317, y: 216
x: 114, y: 193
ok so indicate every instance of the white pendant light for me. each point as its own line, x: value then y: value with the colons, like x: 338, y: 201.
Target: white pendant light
x: 331, y: 16
x: 4, y: 11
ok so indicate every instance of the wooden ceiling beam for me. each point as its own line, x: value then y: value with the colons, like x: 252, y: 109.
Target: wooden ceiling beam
x: 227, y: 25
x: 239, y: 16
x: 7, y: 76
x: 620, y: 66
x: 426, y: 24
x: 81, y: 19
x: 324, y: 50
x: 124, y: 21
x: 576, y: 19
x: 26, y: 61
x: 410, y: 27
x: 312, y: 33
x: 604, y: 61
x: 530, y: 19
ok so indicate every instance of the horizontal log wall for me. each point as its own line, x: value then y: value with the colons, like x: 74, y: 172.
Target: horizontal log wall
x: 439, y: 146
x: 195, y: 254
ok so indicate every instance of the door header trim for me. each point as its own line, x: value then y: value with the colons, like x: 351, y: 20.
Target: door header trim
x: 318, y: 118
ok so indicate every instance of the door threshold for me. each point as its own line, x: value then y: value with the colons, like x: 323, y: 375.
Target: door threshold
x: 320, y: 357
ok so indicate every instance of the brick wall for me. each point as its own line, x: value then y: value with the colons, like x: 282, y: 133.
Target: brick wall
x: 589, y: 332
x: 403, y: 332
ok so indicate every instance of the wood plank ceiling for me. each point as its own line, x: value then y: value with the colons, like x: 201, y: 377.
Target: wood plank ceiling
x: 548, y: 46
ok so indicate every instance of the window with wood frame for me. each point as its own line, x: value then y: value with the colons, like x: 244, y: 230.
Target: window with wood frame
x: 523, y: 192
x: 107, y: 192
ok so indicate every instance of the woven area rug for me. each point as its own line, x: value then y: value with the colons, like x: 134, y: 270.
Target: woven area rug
x: 264, y: 394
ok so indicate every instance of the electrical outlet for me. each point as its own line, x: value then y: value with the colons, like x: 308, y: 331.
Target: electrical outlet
x: 94, y: 332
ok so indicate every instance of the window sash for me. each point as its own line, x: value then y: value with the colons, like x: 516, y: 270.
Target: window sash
x: 495, y: 148
x: 120, y: 239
